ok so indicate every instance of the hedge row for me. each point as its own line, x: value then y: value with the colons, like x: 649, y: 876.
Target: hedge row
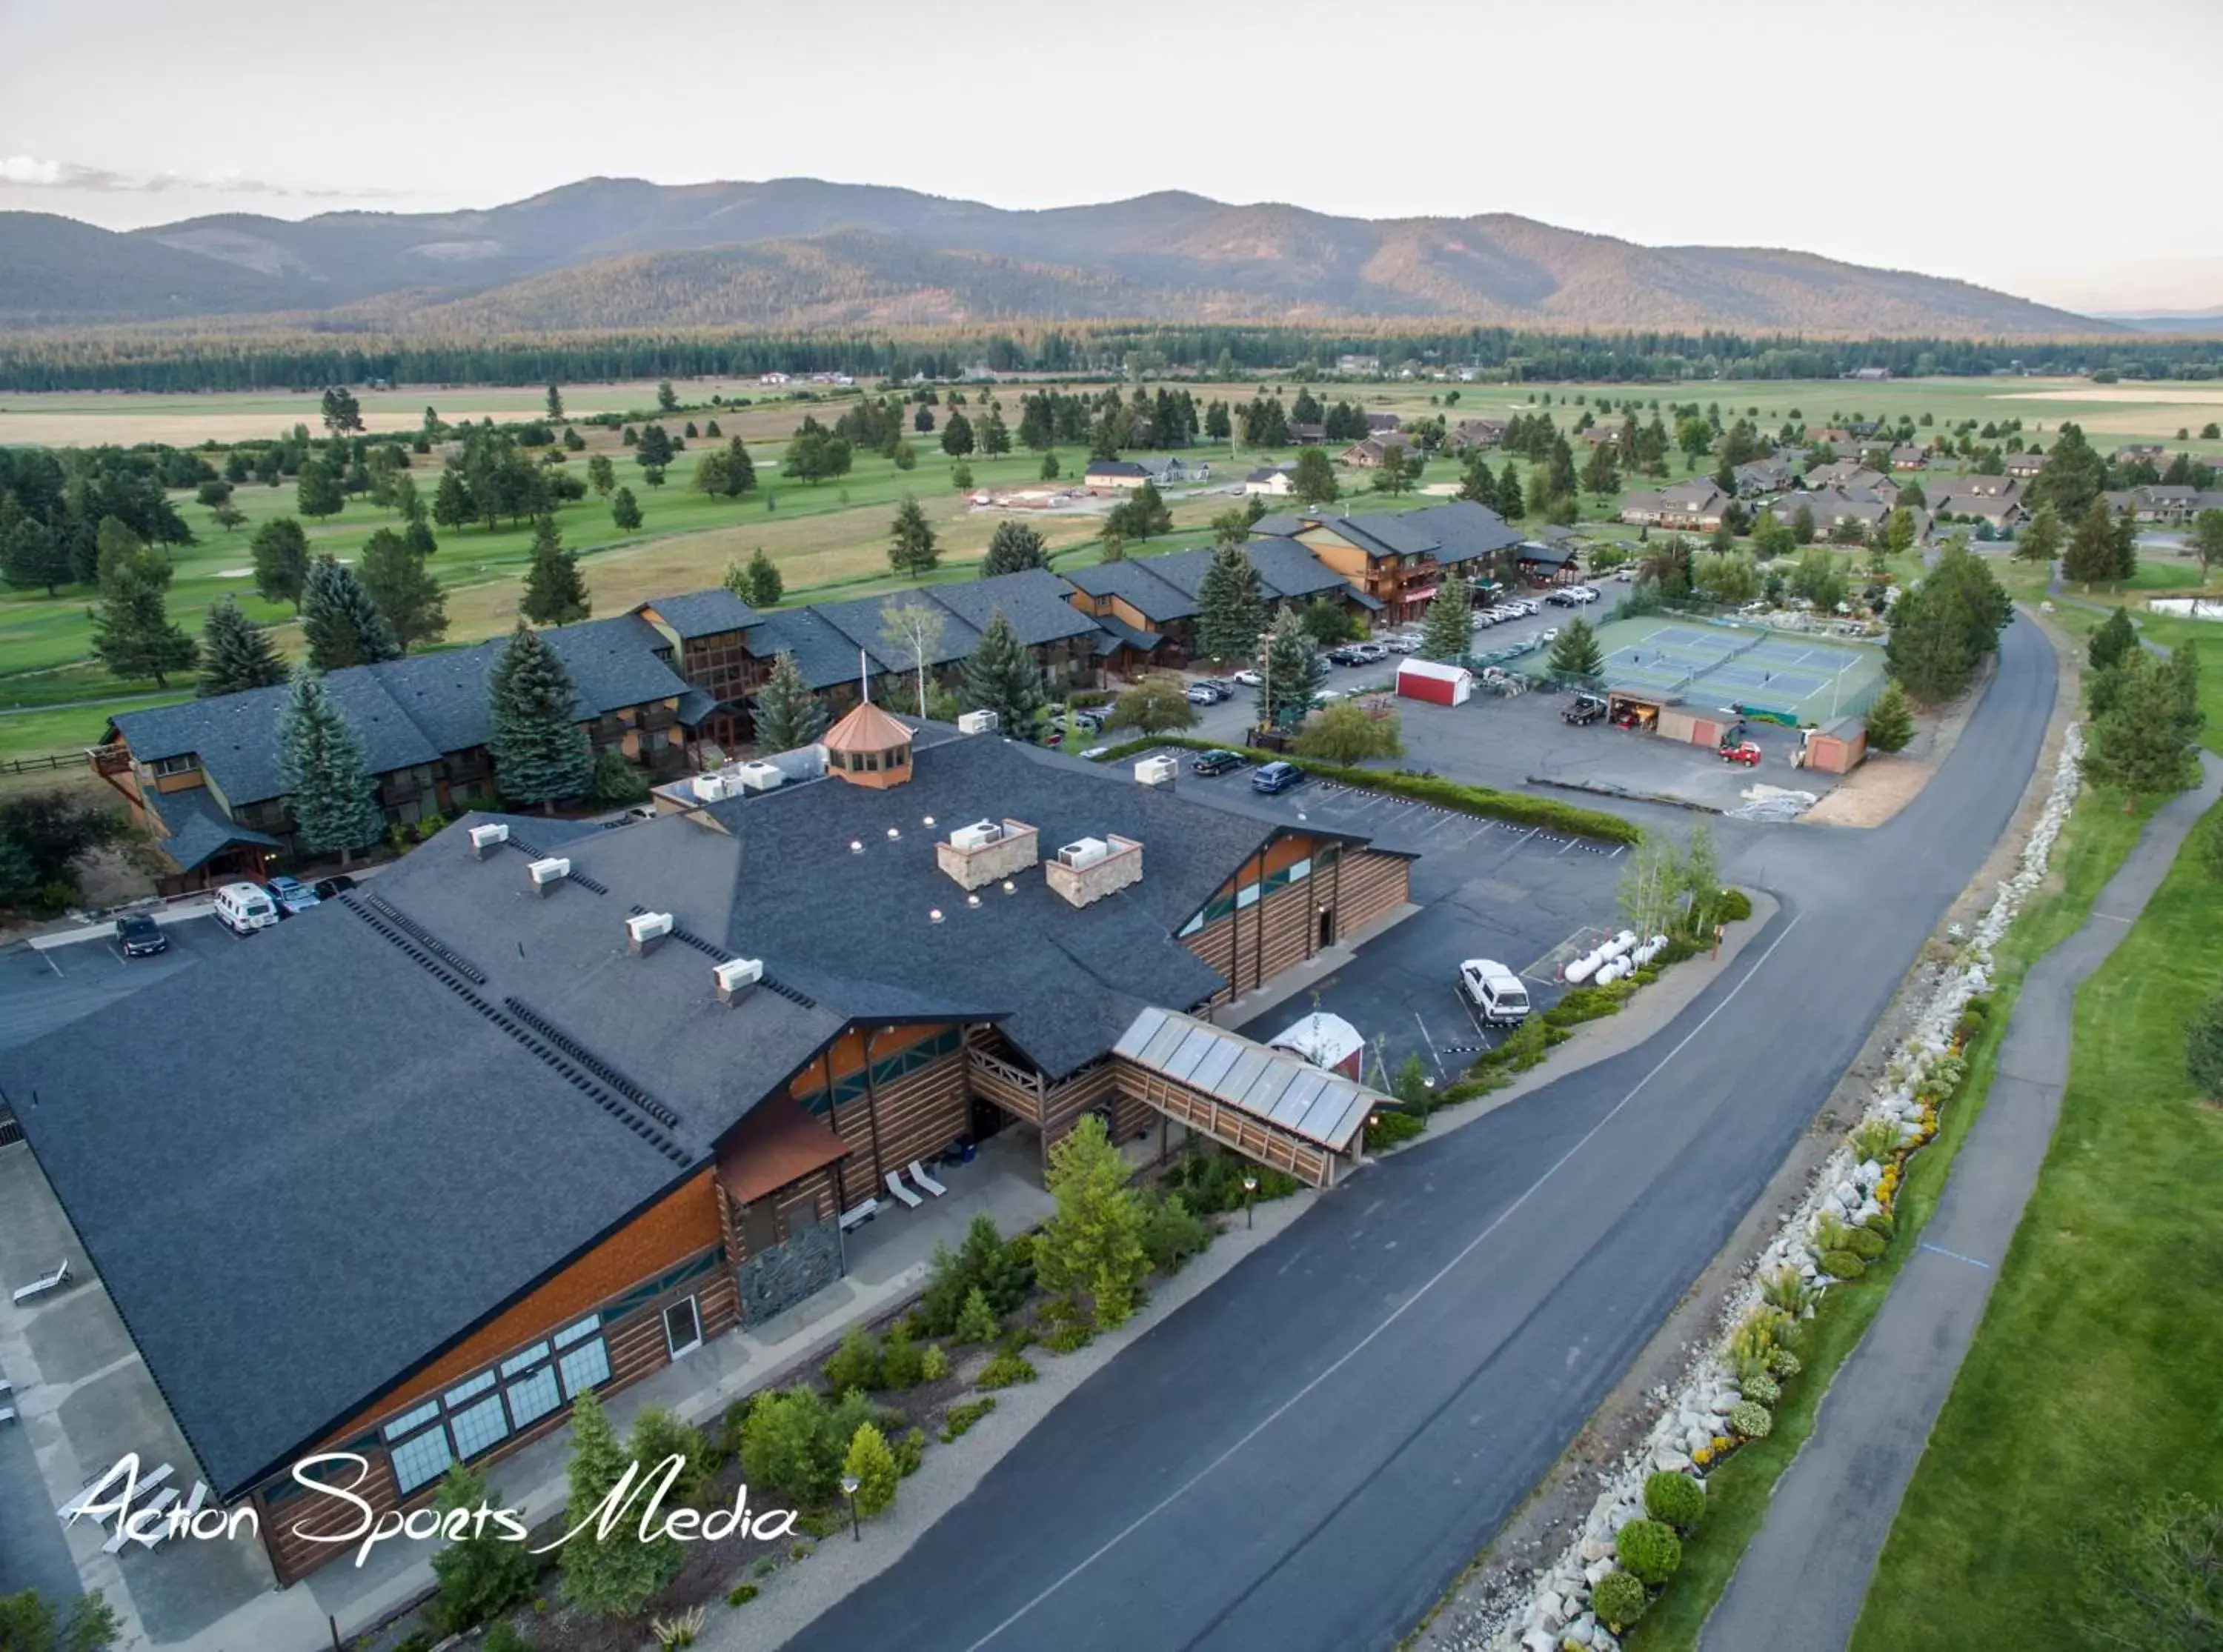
x: 1515, y: 807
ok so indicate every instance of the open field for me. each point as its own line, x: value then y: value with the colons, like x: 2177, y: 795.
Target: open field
x: 2097, y: 1374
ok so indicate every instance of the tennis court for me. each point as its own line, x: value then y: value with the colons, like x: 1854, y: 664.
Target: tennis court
x: 1748, y: 667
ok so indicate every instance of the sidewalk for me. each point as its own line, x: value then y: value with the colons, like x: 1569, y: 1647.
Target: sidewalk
x: 1802, y: 1581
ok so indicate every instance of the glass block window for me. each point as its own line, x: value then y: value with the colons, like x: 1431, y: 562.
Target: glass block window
x: 534, y: 1397
x: 480, y: 1427
x: 412, y: 1421
x: 571, y: 1334
x: 586, y: 1366
x: 420, y: 1461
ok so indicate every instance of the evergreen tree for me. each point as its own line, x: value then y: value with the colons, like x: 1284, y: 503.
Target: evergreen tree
x: 32, y: 554
x: 727, y: 474
x: 480, y: 1574
x: 957, y: 437
x: 418, y: 538
x: 318, y: 491
x: 2114, y: 638
x: 762, y: 587
x: 235, y: 653
x: 132, y: 635
x: 1602, y: 476
x: 119, y: 551
x: 2123, y: 549
x: 1891, y: 719
x: 2090, y: 557
x: 554, y: 593
x: 654, y: 450
x: 1576, y: 652
x: 1092, y: 1247
x: 334, y: 803
x: 2139, y: 743
x: 1142, y: 514
x: 555, y: 404
x: 1447, y: 629
x: 340, y: 623
x: 873, y: 1466
x: 1015, y: 546
x: 541, y: 754
x: 601, y: 474
x: 1560, y: 471
x: 911, y: 548
x: 1929, y: 650
x: 1313, y: 480
x: 625, y: 509
x: 786, y: 713
x: 616, y: 1576
x: 452, y: 506
x: 2040, y: 542
x: 2072, y: 478
x: 1512, y: 500
x: 280, y: 550
x: 1393, y: 472
x: 1293, y: 673
x: 1230, y: 607
x: 1002, y: 677
x: 2182, y: 668
x: 407, y: 598
x: 1477, y: 485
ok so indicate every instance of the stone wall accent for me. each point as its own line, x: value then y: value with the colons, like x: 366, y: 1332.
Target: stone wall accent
x: 1009, y: 856
x: 1083, y: 886
x: 800, y: 1265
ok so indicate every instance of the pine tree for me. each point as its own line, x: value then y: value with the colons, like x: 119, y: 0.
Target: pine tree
x: 618, y: 1576
x: 761, y: 586
x: 873, y: 1466
x: 2115, y: 637
x: 1292, y: 671
x: 339, y: 621
x: 1002, y: 677
x: 132, y: 635
x: 601, y: 474
x: 1576, y: 653
x: 1230, y: 607
x: 1477, y: 485
x: 407, y: 598
x: 957, y: 437
x: 1447, y: 630
x: 318, y: 491
x: 2139, y: 743
x: 31, y: 554
x: 2040, y: 542
x: 1930, y: 651
x: 1091, y: 1247
x: 555, y: 594
x: 1313, y: 480
x: 480, y: 1574
x: 555, y: 403
x: 625, y: 509
x: 1602, y: 476
x: 911, y: 548
x: 235, y: 653
x: 2090, y: 557
x: 541, y: 755
x: 1512, y: 498
x: 335, y: 806
x: 787, y: 714
x: 120, y: 551
x: 1891, y: 719
x: 1015, y: 546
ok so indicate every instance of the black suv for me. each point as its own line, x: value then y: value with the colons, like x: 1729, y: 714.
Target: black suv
x: 1218, y: 763
x: 1583, y: 708
x: 140, y: 936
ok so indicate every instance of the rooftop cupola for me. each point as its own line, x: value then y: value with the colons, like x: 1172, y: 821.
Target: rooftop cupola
x: 869, y: 748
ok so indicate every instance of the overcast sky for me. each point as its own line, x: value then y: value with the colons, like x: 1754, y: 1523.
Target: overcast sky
x: 2056, y: 149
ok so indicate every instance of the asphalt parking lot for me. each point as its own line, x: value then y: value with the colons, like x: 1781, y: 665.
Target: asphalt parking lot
x: 40, y: 990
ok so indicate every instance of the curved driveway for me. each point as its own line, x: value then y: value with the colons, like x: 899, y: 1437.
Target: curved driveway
x: 1307, y: 1455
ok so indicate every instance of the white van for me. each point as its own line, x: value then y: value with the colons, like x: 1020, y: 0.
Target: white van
x: 245, y: 907
x: 1494, y: 990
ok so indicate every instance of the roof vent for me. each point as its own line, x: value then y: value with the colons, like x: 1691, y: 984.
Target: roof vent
x: 642, y: 932
x: 735, y: 976
x: 547, y: 874
x: 1087, y: 853
x: 1086, y: 872
x: 1156, y: 771
x: 759, y: 777
x: 986, y: 851
x: 492, y: 835
x: 712, y: 787
x: 977, y: 723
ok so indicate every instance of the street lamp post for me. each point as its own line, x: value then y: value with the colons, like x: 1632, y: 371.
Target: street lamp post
x: 849, y: 1483
x: 1249, y: 1207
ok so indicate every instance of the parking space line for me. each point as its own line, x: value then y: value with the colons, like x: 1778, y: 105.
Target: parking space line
x: 1441, y: 1071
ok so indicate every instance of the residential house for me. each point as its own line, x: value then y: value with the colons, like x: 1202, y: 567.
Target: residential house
x: 1368, y: 453
x: 1600, y: 435
x: 1869, y: 375
x: 706, y: 642
x: 1475, y: 433
x: 1382, y: 423
x: 1162, y: 470
x: 1395, y: 562
x: 1838, y: 512
x: 2024, y: 466
x: 1360, y: 364
x: 1695, y: 506
x: 2149, y: 453
x: 2001, y: 508
x: 1762, y: 476
x: 1848, y: 477
x: 603, y: 1095
x: 1115, y: 473
x: 1272, y: 481
x: 1308, y: 435
x: 1909, y: 456
x: 2163, y: 504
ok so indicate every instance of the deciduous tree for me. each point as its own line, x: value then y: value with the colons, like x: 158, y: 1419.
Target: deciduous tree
x: 317, y: 490
x: 1346, y: 733
x: 911, y: 632
x: 1314, y: 480
x: 625, y: 509
x: 1156, y: 705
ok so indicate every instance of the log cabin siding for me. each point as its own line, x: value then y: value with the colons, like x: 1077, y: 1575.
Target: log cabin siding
x: 1373, y: 886
x: 914, y: 1117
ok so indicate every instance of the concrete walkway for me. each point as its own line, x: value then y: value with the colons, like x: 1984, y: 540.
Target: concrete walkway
x: 1802, y: 1581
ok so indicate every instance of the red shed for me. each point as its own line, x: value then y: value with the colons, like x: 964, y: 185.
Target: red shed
x: 1446, y: 685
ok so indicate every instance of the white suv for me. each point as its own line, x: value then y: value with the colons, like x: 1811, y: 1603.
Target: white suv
x: 1494, y: 990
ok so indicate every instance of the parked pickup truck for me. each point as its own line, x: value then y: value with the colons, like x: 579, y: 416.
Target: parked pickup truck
x: 1582, y: 708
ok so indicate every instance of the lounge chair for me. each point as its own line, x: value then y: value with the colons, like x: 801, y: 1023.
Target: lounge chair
x: 896, y: 1186
x: 53, y: 1281
x: 918, y: 1174
x: 7, y: 1414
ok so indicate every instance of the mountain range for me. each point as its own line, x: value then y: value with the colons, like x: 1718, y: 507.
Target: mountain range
x: 799, y: 253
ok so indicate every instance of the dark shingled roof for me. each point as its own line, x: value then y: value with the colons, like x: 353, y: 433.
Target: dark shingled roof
x: 822, y: 654
x: 703, y: 613
x: 196, y: 828
x: 1461, y: 531
x: 289, y: 1237
x: 1116, y: 468
x: 1134, y: 580
x: 859, y: 622
x: 1035, y: 601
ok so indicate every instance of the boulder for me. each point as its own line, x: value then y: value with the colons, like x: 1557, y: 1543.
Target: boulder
x: 1539, y: 1639
x: 1594, y: 1549
x: 1550, y: 1609
x: 1670, y: 1460
x: 1595, y: 1570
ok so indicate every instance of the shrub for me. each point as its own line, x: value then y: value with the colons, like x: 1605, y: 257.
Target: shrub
x: 1733, y: 905
x: 1210, y: 1181
x: 1786, y: 1291
x: 1524, y: 1047
x: 932, y: 1363
x: 1619, y: 1600
x: 901, y: 1365
x: 1841, y: 1265
x: 1761, y: 1388
x: 1172, y: 1233
x: 1069, y: 1337
x: 658, y: 1433
x: 1587, y: 1004
x: 1649, y: 1550
x: 1676, y: 1499
x: 1784, y: 1364
x: 1002, y: 1272
x: 1880, y: 1224
x: 1876, y: 1139
x: 1387, y: 1127
x: 1750, y: 1418
x: 740, y: 1594
x: 1829, y: 1231
x: 480, y: 1576
x: 855, y: 1363
x: 505, y: 1637
x: 873, y: 1467
x: 1004, y: 1370
x: 977, y: 1322
x: 960, y: 1419
x: 910, y: 1452
x: 1865, y: 1243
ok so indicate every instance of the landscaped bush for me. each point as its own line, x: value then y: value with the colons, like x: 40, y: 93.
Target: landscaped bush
x: 1002, y: 1272
x: 961, y: 1418
x: 1210, y: 1180
x: 911, y: 1453
x: 855, y: 1363
x: 1880, y: 1224
x: 1650, y: 1550
x: 1172, y: 1233
x: 1875, y: 1139
x: 1841, y: 1265
x: 1676, y: 1499
x: 1589, y: 1003
x: 1761, y: 1388
x: 901, y: 1365
x: 1619, y: 1600
x: 1784, y: 1364
x: 740, y: 1594
x: 977, y: 1322
x: 1865, y: 1243
x: 1069, y: 1337
x: 505, y: 1637
x: 793, y: 1441
x: 1004, y: 1370
x: 932, y: 1363
x: 1750, y: 1418
x: 1524, y: 1047
x: 1786, y: 1291
x: 873, y: 1466
x: 1387, y: 1127
x: 1734, y: 905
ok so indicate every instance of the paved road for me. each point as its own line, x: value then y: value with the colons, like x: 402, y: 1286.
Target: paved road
x: 1802, y: 1581
x: 1307, y: 1456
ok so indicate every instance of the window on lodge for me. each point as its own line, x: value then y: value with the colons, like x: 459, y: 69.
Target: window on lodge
x: 479, y: 1414
x: 1249, y: 895
x: 810, y: 1089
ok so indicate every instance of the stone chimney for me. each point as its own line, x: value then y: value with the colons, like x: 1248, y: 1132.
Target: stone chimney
x: 987, y: 851
x: 1084, y: 872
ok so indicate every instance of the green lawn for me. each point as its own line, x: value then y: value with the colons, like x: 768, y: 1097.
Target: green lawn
x: 2097, y: 1375
x: 2092, y: 845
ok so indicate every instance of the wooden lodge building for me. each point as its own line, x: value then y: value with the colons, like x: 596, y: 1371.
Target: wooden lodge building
x: 1397, y: 560
x: 565, y: 1102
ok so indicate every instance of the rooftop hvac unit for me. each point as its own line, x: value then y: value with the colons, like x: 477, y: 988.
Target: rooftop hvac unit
x: 977, y: 723
x: 759, y: 777
x: 492, y: 835
x: 712, y: 787
x: 1087, y: 853
x: 547, y: 874
x: 645, y: 930
x: 978, y: 835
x: 735, y: 976
x: 1156, y: 771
